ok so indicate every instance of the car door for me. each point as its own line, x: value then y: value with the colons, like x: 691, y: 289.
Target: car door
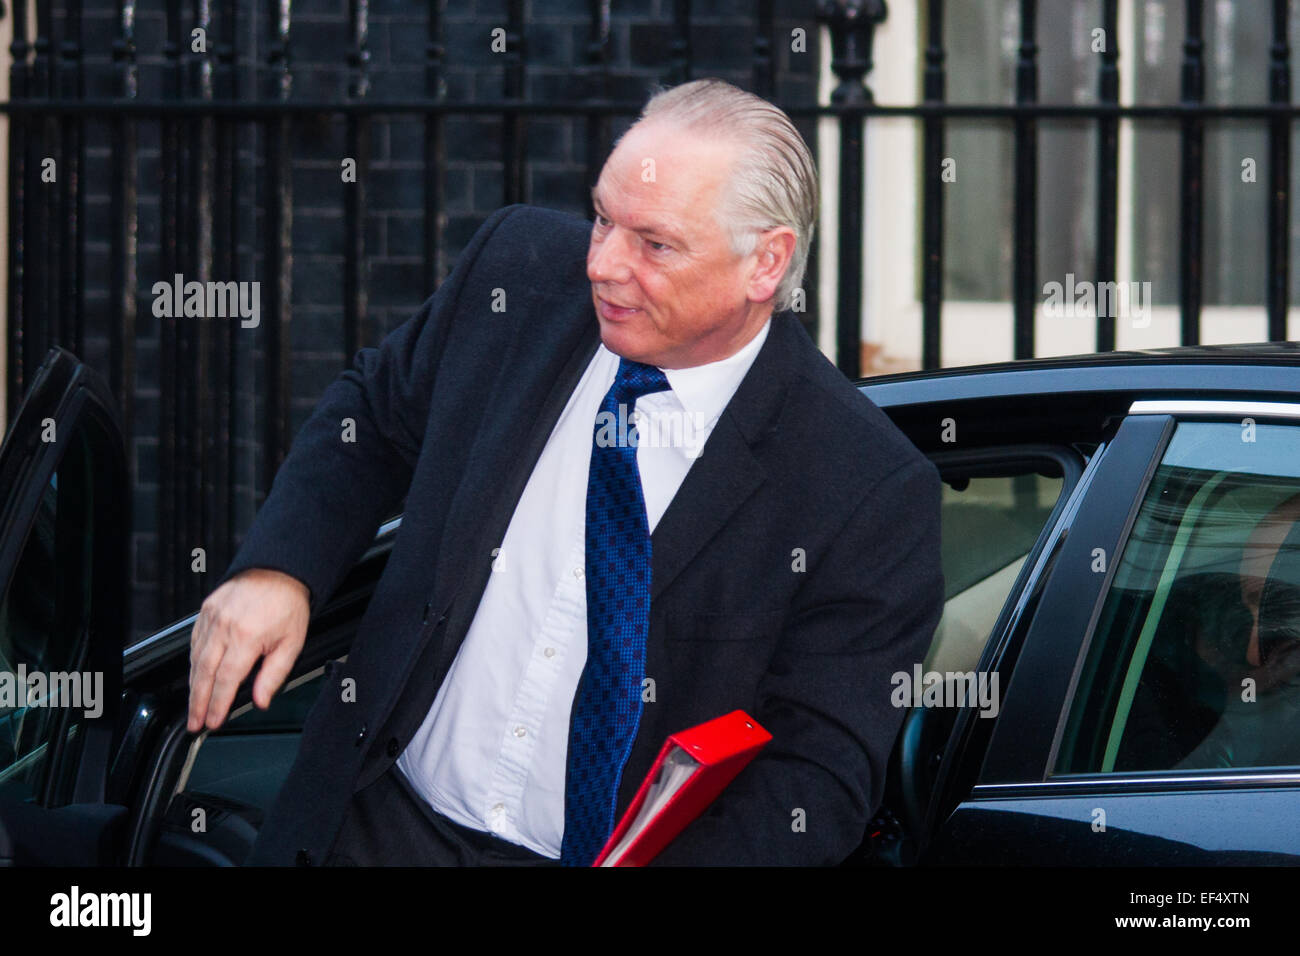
x: 999, y: 503
x: 203, y: 797
x: 64, y: 520
x: 1151, y: 716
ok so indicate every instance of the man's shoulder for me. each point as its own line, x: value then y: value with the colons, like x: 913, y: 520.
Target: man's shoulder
x: 846, y: 431
x: 523, y: 221
x: 547, y: 246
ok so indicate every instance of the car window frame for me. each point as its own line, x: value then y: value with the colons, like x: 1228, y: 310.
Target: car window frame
x: 992, y: 459
x: 1026, y: 733
x: 1198, y: 777
x: 1158, y: 421
x: 77, y: 399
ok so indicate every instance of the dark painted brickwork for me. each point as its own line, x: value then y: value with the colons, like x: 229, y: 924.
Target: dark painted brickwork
x: 556, y: 35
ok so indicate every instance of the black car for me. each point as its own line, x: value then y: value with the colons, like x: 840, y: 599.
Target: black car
x: 1114, y: 680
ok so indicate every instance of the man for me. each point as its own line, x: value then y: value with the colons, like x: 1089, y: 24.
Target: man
x: 561, y: 596
x: 1262, y: 653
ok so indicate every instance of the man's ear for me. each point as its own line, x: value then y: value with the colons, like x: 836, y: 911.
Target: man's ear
x: 773, y: 252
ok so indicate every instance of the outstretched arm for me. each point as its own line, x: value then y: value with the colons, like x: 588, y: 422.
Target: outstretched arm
x: 349, y: 467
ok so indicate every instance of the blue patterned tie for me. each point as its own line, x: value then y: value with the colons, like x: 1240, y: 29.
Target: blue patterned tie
x: 607, y: 706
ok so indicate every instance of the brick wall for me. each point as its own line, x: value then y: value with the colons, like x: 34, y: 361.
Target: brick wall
x: 556, y: 36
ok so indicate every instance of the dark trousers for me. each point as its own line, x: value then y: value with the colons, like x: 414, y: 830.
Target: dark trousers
x: 389, y: 824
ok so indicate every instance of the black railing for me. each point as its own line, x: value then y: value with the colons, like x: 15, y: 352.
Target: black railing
x: 1107, y: 166
x: 224, y: 129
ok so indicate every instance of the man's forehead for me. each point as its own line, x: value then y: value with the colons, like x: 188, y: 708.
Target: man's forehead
x: 671, y: 155
x: 650, y: 209
x: 667, y: 177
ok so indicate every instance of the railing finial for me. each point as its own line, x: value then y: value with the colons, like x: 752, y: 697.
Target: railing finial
x: 853, y: 25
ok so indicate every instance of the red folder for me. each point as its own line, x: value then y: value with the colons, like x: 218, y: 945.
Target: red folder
x: 691, y: 770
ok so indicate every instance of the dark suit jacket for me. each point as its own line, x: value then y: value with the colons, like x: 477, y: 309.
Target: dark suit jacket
x: 796, y: 569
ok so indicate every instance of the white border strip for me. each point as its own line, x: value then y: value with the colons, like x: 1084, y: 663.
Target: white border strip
x: 1212, y: 407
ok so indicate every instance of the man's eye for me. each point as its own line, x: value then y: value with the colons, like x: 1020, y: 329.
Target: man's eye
x: 658, y: 246
x: 601, y: 221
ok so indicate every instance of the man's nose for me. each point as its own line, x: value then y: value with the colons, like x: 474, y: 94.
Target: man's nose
x: 607, y: 259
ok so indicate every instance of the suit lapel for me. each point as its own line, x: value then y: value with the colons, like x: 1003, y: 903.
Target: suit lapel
x: 718, y: 482
x: 529, y: 397
x: 727, y: 471
x: 508, y: 444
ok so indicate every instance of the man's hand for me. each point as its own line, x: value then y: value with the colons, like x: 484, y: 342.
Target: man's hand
x: 257, y: 613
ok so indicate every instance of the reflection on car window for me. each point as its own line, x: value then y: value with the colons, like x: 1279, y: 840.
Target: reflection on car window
x: 27, y: 620
x: 1195, y: 662
x: 990, y: 525
x: 244, y: 763
x: 40, y: 622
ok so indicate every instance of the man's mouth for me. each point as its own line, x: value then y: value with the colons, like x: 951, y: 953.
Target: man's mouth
x: 612, y: 310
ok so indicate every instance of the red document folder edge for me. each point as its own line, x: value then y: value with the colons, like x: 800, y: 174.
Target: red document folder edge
x: 723, y: 746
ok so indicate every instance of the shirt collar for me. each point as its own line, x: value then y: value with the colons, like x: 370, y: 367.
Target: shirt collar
x: 705, y: 390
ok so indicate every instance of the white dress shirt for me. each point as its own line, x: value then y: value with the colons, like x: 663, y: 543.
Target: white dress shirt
x: 491, y: 753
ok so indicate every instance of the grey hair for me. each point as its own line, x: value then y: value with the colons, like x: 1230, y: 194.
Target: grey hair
x: 774, y: 181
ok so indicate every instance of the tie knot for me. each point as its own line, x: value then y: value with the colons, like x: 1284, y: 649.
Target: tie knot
x: 635, y: 379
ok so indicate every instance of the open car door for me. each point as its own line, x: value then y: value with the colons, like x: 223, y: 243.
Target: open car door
x: 64, y: 519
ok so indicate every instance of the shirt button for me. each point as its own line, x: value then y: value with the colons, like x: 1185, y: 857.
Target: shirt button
x: 578, y: 573
x: 498, y: 808
x: 520, y: 731
x: 549, y: 652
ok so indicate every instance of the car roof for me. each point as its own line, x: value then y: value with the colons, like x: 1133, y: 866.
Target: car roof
x: 1260, y: 368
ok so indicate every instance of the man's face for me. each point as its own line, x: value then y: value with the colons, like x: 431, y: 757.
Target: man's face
x: 667, y: 289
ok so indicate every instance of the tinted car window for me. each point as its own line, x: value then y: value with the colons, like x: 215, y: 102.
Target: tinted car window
x: 992, y: 519
x: 990, y: 525
x: 1195, y: 660
x: 42, y: 623
x: 232, y: 781
x: 247, y: 760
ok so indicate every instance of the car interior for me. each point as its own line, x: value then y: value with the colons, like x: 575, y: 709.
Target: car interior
x: 230, y: 778
x: 1170, y: 683
x: 998, y: 506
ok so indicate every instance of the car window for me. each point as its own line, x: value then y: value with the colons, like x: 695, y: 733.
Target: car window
x: 232, y: 778
x: 42, y: 623
x: 247, y: 759
x: 1194, y: 660
x: 994, y: 507
x: 989, y: 526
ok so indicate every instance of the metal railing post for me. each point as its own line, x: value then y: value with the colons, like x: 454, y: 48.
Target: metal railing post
x: 852, y: 25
